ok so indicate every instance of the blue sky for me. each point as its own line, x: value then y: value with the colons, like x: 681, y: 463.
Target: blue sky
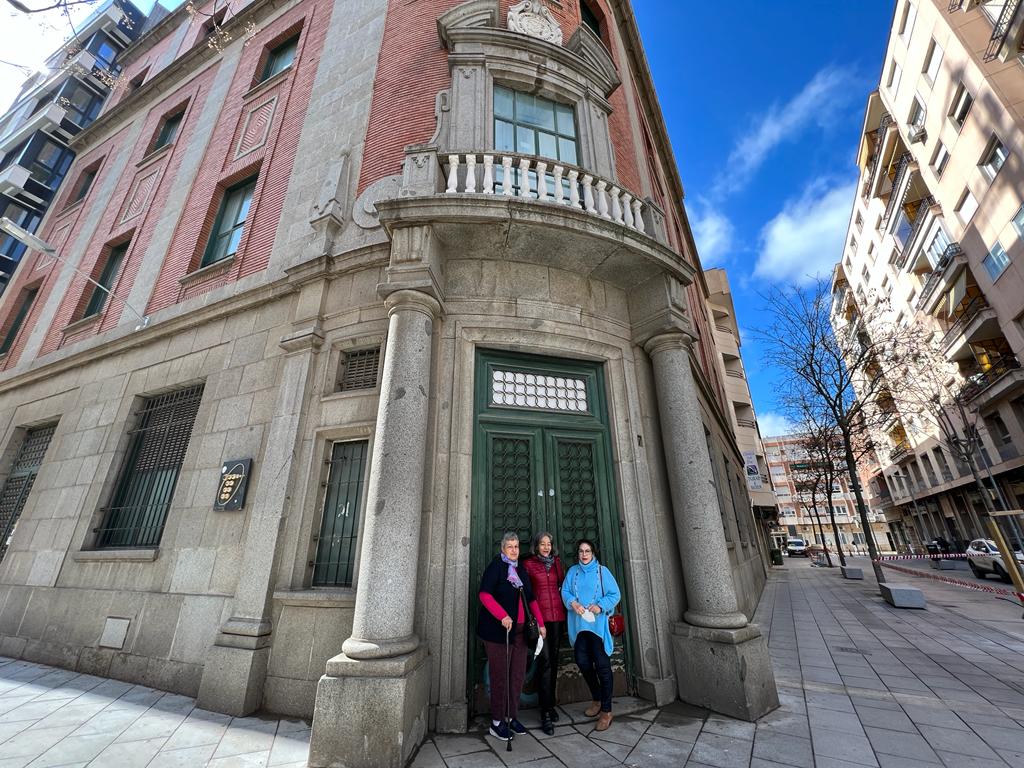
x: 764, y: 103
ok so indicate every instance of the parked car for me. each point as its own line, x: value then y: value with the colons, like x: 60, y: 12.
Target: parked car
x: 984, y: 558
x: 796, y: 547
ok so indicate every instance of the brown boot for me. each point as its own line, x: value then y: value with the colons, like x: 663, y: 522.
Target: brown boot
x: 593, y: 709
x: 603, y: 721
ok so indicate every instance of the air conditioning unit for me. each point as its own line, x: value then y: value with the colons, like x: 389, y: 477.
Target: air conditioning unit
x: 917, y: 134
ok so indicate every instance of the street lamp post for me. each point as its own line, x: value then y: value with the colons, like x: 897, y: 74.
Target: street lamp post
x: 26, y: 238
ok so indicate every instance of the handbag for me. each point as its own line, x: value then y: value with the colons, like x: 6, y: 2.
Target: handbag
x: 616, y: 622
x: 531, y: 632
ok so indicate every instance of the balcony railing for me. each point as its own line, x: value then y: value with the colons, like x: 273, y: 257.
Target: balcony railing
x: 955, y: 5
x: 916, y: 225
x: 1001, y: 29
x: 883, y: 127
x: 899, y: 452
x: 952, y: 251
x: 530, y: 177
x: 735, y: 374
x: 979, y: 382
x: 971, y: 311
x: 748, y: 423
x: 895, y: 197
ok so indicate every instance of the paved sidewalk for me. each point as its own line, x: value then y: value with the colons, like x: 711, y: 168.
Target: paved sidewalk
x: 861, y: 685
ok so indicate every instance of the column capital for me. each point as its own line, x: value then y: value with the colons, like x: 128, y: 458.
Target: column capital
x: 662, y: 342
x: 416, y: 301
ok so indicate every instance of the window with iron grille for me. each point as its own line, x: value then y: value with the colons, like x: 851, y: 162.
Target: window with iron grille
x: 136, y: 515
x: 339, y: 529
x: 19, y: 483
x: 359, y: 369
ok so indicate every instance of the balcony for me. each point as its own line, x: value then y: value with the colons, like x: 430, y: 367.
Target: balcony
x: 953, y: 260
x: 978, y: 320
x: 881, y: 134
x: 910, y: 240
x: 899, y: 453
x: 987, y: 388
x: 900, y: 180
x: 735, y: 374
x: 746, y: 423
x: 13, y: 180
x: 1005, y: 27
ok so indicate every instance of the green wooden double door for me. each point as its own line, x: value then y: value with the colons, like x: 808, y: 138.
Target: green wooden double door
x: 542, y: 462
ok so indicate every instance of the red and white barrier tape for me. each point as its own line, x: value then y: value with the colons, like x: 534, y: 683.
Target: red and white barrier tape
x: 956, y: 582
x: 957, y: 556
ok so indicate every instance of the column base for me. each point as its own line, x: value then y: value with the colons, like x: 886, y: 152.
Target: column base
x: 661, y: 691
x: 370, y: 714
x: 233, y: 680
x: 725, y: 670
x: 451, y: 718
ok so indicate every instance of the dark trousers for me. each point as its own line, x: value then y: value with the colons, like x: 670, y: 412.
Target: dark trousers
x: 546, y: 669
x: 506, y: 680
x: 595, y: 666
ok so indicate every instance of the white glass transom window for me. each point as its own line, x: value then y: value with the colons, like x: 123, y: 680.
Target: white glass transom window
x: 535, y: 390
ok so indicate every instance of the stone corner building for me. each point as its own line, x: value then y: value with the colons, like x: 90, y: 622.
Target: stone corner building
x: 413, y: 275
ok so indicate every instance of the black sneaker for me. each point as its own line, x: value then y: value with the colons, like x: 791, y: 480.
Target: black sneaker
x: 518, y: 727
x: 547, y: 725
x: 499, y: 731
x: 553, y: 714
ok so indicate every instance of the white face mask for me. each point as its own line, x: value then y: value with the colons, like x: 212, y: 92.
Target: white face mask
x: 588, y: 616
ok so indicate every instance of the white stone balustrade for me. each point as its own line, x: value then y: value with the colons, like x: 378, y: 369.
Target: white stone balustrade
x: 546, y: 181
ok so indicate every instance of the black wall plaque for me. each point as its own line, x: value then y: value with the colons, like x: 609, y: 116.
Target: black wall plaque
x: 234, y: 480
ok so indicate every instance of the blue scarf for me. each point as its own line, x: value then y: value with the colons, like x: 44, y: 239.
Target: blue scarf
x: 513, y: 576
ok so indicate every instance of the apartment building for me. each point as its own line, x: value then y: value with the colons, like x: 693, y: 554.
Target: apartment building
x: 740, y: 402
x: 937, y: 236
x: 792, y: 475
x: 53, y: 107
x: 372, y: 283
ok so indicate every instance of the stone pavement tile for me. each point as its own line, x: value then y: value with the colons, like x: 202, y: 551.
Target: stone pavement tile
x: 837, y: 701
x: 138, y: 696
x: 656, y: 752
x: 1011, y: 756
x: 619, y: 751
x: 886, y: 718
x: 957, y: 742
x: 136, y: 754
x: 783, y: 748
x: 575, y: 751
x: 831, y: 762
x: 833, y: 720
x: 427, y: 757
x: 525, y: 749
x: 722, y: 751
x: 785, y: 722
x: 31, y: 743
x: 152, y: 725
x: 757, y: 762
x: 1001, y: 738
x: 953, y: 760
x: 867, y: 683
x: 677, y: 729
x: 247, y: 760
x: 199, y: 728
x: 625, y: 731
x: 73, y: 749
x: 34, y: 710
x: 11, y: 704
x: 911, y: 745
x: 560, y: 730
x: 72, y: 713
x: 726, y: 726
x: 247, y: 734
x: 107, y: 721
x: 449, y: 745
x: 9, y: 730
x: 844, y: 746
x: 289, y: 747
x: 106, y: 691
x: 939, y: 716
x: 898, y: 761
x: 186, y: 758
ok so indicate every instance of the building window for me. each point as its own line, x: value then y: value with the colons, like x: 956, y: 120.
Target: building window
x: 230, y: 222
x: 19, y: 483
x: 359, y: 369
x: 907, y: 21
x: 994, y: 158
x: 940, y: 159
x: 962, y: 102
x: 84, y: 183
x: 336, y: 547
x: 996, y: 262
x: 895, y: 73
x: 518, y: 389
x: 138, y: 510
x: 937, y: 247
x: 27, y: 298
x: 533, y: 125
x: 1018, y: 222
x: 168, y: 130
x: 81, y: 103
x: 917, y: 113
x: 590, y: 19
x: 111, y: 268
x: 280, y: 58
x: 967, y: 206
x: 932, y: 62
x: 46, y: 160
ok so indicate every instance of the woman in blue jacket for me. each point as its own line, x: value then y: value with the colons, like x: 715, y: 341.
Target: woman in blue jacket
x: 591, y: 594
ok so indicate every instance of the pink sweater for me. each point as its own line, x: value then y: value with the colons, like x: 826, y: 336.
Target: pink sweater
x: 495, y: 609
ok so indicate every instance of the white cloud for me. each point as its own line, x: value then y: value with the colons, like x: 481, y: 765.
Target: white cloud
x: 816, y: 104
x: 806, y: 238
x: 774, y: 425
x: 713, y: 233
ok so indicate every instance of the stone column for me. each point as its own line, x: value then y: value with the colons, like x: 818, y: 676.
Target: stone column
x: 236, y: 665
x: 371, y: 705
x: 721, y: 660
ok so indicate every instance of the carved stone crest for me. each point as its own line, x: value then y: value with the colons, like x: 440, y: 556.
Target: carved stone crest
x: 531, y: 17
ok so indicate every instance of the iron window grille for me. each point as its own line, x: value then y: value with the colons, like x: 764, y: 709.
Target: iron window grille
x: 111, y: 268
x: 359, y: 369
x: 136, y: 515
x: 19, y: 483
x: 230, y: 222
x: 28, y: 297
x: 336, y: 546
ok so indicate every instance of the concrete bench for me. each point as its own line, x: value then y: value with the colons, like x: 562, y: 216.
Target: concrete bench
x: 849, y: 572
x: 903, y: 596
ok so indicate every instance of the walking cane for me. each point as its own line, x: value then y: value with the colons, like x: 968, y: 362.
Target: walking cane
x: 508, y: 694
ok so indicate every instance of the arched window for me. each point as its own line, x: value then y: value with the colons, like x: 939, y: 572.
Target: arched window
x: 590, y: 19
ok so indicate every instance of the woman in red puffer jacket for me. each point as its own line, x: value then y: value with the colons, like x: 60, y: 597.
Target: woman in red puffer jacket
x: 546, y: 574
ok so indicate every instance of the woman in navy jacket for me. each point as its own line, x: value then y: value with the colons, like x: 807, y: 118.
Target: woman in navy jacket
x: 502, y: 588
